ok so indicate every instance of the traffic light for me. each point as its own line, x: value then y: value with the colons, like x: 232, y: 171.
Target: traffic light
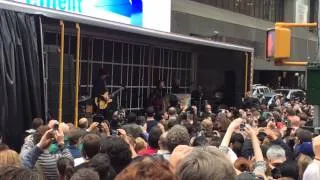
x: 278, y: 43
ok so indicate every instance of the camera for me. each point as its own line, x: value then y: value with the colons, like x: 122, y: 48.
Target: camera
x: 242, y: 125
x: 261, y: 136
x: 288, y: 123
x: 56, y: 126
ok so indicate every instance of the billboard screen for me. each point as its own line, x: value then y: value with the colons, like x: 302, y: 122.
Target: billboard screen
x: 151, y: 14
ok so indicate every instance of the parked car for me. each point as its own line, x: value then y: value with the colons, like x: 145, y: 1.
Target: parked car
x: 258, y: 90
x: 292, y: 93
x: 270, y: 98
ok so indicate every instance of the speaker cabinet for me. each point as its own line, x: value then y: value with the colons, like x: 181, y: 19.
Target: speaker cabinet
x: 53, y: 74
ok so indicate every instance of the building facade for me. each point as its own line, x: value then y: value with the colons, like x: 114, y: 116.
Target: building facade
x: 245, y: 22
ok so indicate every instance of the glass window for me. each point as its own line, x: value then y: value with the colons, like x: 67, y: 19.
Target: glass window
x: 213, y: 2
x: 269, y: 90
x: 220, y: 3
x: 265, y: 90
x: 242, y: 6
x: 250, y: 7
x: 225, y: 5
x: 314, y: 10
x: 254, y: 92
x: 256, y: 8
x: 236, y: 5
x: 270, y: 10
x: 298, y: 94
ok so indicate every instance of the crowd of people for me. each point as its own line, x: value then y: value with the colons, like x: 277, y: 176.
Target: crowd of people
x: 178, y: 143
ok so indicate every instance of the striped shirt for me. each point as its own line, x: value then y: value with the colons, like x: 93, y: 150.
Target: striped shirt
x: 44, y: 161
x: 47, y: 163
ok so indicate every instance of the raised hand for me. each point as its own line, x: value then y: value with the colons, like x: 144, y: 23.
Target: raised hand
x: 105, y: 128
x: 46, y: 139
x: 93, y: 126
x: 59, y: 136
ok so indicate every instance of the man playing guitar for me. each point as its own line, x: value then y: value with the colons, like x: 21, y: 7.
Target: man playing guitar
x: 102, y: 99
x: 100, y: 93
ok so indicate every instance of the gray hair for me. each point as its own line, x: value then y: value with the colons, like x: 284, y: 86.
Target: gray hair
x: 172, y: 118
x: 206, y: 163
x: 177, y: 135
x: 276, y: 152
x: 133, y: 129
x: 85, y: 173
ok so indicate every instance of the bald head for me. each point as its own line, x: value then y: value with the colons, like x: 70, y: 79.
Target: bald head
x: 295, y: 121
x: 208, y: 108
x: 83, y: 123
x: 172, y: 111
x: 52, y: 123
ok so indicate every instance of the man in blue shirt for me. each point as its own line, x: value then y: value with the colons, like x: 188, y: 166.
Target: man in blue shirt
x: 74, y: 146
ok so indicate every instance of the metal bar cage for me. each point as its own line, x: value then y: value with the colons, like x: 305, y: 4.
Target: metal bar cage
x: 137, y: 66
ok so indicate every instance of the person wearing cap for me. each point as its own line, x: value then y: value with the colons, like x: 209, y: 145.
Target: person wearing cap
x: 306, y: 149
x: 303, y: 142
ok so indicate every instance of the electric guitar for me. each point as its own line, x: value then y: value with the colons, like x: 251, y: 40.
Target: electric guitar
x: 105, y: 99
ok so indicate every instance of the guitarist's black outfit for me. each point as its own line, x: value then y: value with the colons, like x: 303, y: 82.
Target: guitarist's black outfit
x: 99, y: 88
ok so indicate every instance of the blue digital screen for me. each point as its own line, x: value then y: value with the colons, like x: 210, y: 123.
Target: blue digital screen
x: 152, y: 14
